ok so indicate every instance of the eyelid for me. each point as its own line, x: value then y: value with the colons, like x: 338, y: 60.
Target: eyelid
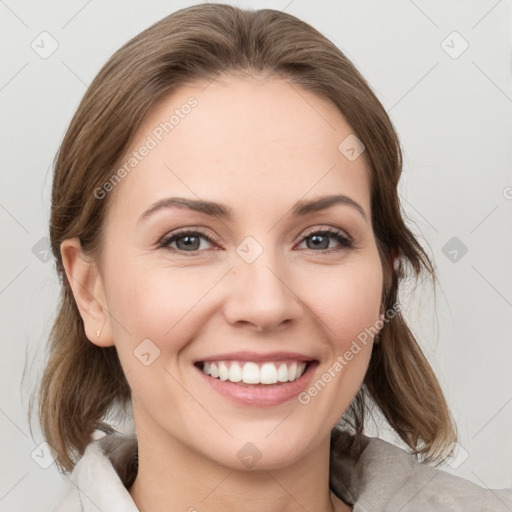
x: 328, y: 229
x: 165, y: 240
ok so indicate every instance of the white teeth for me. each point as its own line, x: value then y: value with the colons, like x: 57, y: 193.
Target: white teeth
x: 223, y: 371
x: 292, y: 371
x: 282, y: 373
x: 235, y: 372
x: 252, y: 373
x: 268, y: 373
x: 214, y: 371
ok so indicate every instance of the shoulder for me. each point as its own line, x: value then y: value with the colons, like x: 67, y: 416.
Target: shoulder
x: 95, y: 482
x: 376, y: 475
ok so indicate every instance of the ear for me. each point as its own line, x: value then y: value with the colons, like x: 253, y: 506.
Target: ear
x: 89, y: 292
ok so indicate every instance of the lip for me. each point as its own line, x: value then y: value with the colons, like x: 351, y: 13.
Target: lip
x: 257, y: 357
x: 260, y: 395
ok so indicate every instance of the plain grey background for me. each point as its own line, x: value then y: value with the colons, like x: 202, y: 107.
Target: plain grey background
x: 441, y: 69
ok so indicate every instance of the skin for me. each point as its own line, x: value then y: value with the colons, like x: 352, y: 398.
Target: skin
x: 257, y: 145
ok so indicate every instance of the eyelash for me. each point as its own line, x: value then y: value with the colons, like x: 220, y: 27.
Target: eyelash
x: 343, y: 240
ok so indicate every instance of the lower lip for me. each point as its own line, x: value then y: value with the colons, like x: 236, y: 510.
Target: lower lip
x: 261, y: 395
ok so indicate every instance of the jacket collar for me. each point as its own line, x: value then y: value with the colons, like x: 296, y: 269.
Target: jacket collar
x: 368, y: 473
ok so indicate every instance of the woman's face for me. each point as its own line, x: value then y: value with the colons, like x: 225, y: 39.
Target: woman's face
x: 245, y: 278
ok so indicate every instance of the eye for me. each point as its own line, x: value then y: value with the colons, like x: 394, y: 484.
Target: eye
x: 319, y: 240
x: 187, y: 241
x: 194, y: 241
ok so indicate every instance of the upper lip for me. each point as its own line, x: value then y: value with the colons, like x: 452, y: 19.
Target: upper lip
x: 257, y: 356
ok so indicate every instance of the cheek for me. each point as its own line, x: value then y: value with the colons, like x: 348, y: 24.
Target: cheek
x: 156, y: 302
x: 346, y: 301
x: 154, y: 319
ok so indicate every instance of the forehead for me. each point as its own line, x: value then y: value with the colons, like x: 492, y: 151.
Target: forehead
x: 248, y: 141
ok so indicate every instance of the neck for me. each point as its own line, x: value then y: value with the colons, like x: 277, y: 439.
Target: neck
x: 172, y: 477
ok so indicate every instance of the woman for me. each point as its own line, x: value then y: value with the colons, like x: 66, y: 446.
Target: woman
x: 226, y: 224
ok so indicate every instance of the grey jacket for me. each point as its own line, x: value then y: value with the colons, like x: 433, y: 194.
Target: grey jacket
x: 375, y: 477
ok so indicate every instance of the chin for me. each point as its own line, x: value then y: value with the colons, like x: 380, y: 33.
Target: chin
x: 258, y: 453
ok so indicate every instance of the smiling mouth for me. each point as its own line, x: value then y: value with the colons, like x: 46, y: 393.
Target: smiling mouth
x: 251, y: 372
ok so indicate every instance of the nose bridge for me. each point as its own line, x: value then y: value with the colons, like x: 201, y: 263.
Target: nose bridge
x: 262, y: 293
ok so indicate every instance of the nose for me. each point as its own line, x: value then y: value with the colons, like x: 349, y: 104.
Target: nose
x: 262, y: 294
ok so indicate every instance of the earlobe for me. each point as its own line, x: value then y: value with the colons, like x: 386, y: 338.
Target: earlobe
x: 88, y: 290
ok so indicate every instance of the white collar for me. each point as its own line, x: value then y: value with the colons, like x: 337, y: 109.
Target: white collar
x: 369, y: 473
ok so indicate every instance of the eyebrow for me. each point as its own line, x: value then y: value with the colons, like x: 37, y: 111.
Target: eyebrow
x: 221, y: 211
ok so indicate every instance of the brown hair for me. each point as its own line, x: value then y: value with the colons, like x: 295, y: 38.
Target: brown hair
x: 82, y: 382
